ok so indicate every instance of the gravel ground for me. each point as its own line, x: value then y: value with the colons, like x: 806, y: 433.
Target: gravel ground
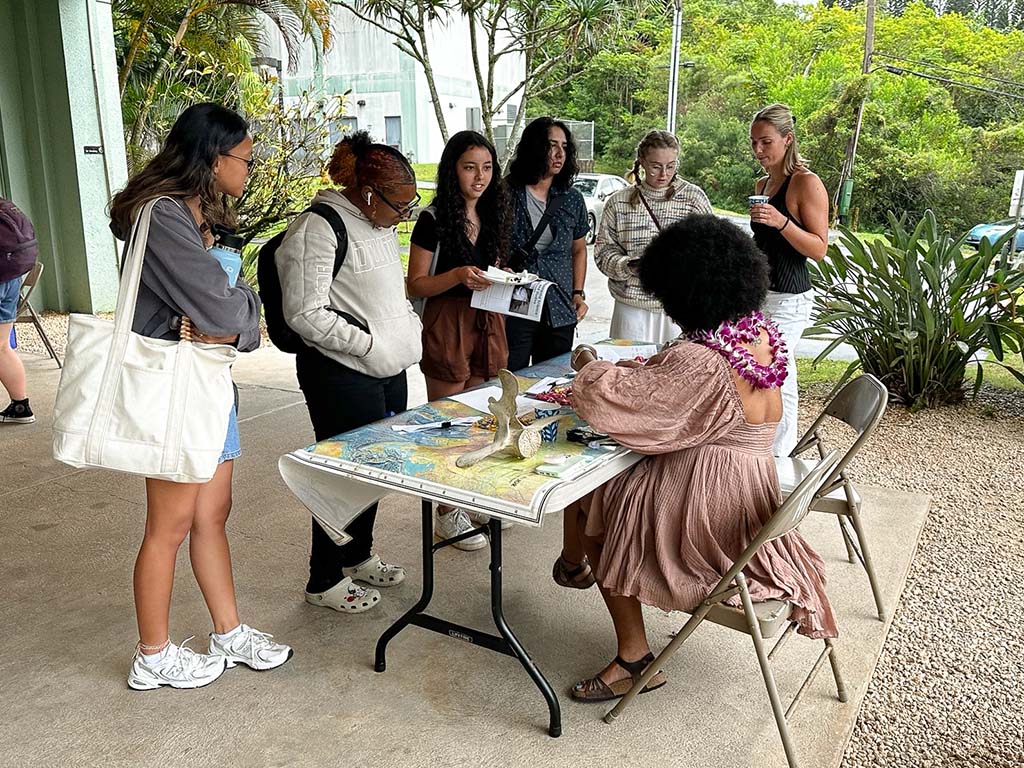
x: 948, y: 687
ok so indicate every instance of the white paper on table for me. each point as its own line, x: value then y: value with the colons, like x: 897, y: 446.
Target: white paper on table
x: 614, y: 353
x: 478, y: 400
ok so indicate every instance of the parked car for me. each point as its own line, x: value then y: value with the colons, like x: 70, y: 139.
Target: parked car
x: 993, y: 232
x: 595, y: 188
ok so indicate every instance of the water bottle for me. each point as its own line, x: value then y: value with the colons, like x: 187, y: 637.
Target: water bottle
x: 228, y: 251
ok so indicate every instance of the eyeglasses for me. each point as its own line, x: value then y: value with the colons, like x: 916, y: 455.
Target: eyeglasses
x: 403, y: 211
x: 250, y: 162
x: 658, y: 168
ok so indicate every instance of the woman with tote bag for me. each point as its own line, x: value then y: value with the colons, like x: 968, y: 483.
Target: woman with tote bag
x: 183, y: 292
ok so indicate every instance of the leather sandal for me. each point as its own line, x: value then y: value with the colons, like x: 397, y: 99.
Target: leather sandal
x: 578, y: 577
x: 596, y: 689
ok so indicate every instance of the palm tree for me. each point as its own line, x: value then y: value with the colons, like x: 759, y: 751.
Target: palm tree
x: 159, y: 27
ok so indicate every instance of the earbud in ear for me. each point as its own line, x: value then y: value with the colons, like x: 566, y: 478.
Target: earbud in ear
x: 368, y: 198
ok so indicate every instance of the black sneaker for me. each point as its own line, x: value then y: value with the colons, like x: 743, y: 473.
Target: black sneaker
x: 17, y: 413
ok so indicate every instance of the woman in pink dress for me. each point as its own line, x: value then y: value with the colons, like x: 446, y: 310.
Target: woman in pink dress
x: 705, y: 410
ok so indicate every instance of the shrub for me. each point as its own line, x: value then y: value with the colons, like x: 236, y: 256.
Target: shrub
x: 919, y: 309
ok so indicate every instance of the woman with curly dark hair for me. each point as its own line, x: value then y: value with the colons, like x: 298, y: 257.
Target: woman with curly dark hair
x: 466, y: 231
x: 705, y: 409
x: 540, y: 179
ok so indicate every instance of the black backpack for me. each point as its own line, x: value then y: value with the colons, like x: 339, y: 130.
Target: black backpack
x: 283, y: 337
x: 18, y: 246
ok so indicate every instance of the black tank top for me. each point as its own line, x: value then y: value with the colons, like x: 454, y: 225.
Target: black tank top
x: 788, y: 265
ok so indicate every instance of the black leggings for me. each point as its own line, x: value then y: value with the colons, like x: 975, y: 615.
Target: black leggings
x: 539, y: 341
x: 340, y: 399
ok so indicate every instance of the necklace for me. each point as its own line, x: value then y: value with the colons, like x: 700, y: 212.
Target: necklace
x: 728, y: 339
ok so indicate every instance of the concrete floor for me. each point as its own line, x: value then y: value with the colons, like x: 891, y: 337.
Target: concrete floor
x: 66, y: 561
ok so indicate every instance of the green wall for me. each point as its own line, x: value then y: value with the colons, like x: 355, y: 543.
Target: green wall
x: 58, y: 101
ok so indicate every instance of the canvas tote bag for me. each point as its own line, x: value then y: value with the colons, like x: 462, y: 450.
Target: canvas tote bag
x: 146, y: 406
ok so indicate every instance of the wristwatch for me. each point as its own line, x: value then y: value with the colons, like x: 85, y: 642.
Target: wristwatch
x: 580, y: 292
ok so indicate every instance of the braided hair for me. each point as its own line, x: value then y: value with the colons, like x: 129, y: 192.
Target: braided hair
x: 653, y: 140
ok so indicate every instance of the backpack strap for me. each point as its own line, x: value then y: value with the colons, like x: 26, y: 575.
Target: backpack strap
x: 328, y: 212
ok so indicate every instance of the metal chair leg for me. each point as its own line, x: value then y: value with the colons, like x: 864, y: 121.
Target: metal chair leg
x: 836, y: 671
x: 846, y: 539
x: 766, y: 671
x: 876, y: 590
x: 42, y: 335
x: 687, y: 629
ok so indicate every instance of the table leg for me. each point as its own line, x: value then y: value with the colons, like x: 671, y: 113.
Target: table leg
x: 497, y: 612
x: 507, y: 643
x: 427, y: 511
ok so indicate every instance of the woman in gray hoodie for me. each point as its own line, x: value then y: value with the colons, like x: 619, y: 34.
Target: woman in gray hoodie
x: 360, y: 333
x: 184, y: 292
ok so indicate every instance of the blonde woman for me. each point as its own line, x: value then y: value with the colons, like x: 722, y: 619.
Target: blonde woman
x: 632, y: 218
x: 791, y: 226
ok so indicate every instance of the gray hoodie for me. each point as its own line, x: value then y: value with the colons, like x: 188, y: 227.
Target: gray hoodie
x: 179, y: 277
x: 362, y: 318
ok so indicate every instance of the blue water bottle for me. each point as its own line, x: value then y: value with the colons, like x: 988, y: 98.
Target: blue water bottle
x: 227, y: 249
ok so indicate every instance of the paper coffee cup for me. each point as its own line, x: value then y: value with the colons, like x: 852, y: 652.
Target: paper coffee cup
x: 757, y: 199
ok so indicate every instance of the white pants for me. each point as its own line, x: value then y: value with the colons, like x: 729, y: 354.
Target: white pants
x: 640, y: 325
x: 792, y: 313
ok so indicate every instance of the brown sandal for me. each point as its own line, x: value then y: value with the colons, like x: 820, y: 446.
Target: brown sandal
x: 578, y: 577
x: 596, y: 689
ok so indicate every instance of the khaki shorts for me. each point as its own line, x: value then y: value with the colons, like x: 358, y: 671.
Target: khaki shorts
x: 460, y: 342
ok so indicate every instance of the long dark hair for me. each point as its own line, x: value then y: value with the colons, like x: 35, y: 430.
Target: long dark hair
x: 492, y: 207
x: 184, y: 167
x: 531, y: 160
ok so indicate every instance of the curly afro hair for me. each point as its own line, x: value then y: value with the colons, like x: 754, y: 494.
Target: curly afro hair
x: 705, y: 270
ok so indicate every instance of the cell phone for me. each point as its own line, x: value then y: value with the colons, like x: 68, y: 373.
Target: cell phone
x: 583, y: 435
x: 567, y: 468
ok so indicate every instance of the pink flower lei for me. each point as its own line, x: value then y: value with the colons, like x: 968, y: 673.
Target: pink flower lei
x: 728, y: 339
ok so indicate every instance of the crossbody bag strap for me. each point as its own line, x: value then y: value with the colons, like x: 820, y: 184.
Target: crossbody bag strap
x: 648, y: 207
x: 549, y: 212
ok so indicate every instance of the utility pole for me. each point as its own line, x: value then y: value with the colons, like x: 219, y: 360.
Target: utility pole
x: 673, y: 68
x: 844, y: 191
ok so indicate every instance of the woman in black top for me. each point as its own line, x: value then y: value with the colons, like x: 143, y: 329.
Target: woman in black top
x: 540, y: 175
x: 468, y: 228
x: 791, y: 227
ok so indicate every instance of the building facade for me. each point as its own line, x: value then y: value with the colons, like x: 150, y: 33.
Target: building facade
x: 61, y: 144
x: 388, y: 92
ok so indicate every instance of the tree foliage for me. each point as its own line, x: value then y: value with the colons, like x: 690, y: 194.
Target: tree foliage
x: 924, y: 144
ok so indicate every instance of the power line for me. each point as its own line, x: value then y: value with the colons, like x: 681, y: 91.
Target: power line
x: 950, y: 70
x: 947, y: 81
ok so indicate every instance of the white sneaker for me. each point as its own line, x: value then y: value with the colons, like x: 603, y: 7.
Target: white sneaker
x: 346, y: 597
x: 257, y: 650
x: 178, y: 667
x: 448, y: 525
x: 482, y: 519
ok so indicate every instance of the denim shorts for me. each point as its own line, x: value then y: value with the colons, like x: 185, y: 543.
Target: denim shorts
x: 10, y: 290
x: 232, y: 445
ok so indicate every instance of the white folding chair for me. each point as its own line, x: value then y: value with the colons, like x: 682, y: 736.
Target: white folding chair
x: 764, y: 620
x: 860, y: 404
